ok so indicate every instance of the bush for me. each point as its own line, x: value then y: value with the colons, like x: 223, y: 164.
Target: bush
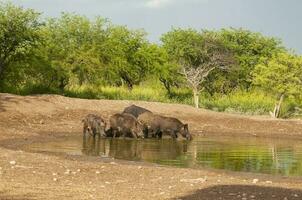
x: 254, y: 102
x: 251, y: 102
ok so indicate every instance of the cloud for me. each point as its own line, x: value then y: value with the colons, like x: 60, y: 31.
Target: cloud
x: 157, y: 3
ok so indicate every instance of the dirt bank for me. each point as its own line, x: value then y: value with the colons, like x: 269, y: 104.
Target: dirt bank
x: 41, y: 176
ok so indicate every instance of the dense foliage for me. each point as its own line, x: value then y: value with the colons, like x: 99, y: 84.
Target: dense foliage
x: 230, y: 69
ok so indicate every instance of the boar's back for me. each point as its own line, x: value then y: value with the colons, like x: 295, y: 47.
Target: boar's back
x: 135, y: 110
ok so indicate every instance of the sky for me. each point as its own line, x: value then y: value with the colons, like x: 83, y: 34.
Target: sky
x: 277, y: 18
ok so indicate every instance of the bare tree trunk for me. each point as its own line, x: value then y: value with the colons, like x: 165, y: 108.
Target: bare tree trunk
x: 196, y: 97
x: 277, y: 108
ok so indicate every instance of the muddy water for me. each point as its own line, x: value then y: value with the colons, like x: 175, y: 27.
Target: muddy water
x: 236, y: 154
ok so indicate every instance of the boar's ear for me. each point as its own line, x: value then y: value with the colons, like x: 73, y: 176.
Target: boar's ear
x: 186, y: 126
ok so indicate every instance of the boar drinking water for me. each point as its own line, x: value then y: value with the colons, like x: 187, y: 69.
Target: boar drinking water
x: 158, y: 125
x: 94, y: 125
x: 125, y: 125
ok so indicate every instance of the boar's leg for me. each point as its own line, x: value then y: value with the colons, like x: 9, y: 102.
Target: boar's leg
x: 134, y: 133
x: 159, y: 134
x: 113, y: 133
x: 94, y: 132
x: 145, y: 131
x: 85, y: 130
x: 108, y: 133
x: 173, y: 134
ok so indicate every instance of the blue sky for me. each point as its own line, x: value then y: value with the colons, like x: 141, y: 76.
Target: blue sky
x: 278, y: 18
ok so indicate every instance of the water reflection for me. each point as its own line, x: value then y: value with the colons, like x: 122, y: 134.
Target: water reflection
x: 128, y: 149
x: 250, y: 155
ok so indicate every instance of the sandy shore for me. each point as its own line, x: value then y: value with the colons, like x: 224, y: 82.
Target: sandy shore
x: 26, y: 175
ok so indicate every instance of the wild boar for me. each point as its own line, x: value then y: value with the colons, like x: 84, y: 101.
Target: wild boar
x: 125, y: 125
x: 158, y: 125
x: 94, y: 125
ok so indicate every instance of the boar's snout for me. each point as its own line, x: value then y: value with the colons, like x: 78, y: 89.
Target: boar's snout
x: 189, y: 137
x: 186, y: 133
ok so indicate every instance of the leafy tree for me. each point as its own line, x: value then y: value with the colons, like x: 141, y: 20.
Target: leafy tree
x: 130, y: 56
x: 170, y: 76
x: 248, y: 47
x: 167, y: 72
x: 19, y: 35
x: 281, y: 75
x: 72, y: 49
x: 198, y: 54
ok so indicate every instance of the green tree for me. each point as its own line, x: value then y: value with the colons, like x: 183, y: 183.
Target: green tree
x: 72, y: 45
x: 281, y: 75
x: 198, y: 54
x: 248, y: 47
x: 129, y: 56
x: 19, y: 35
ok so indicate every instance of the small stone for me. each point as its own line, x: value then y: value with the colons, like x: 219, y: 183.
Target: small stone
x: 161, y: 193
x: 102, y: 186
x: 107, y: 182
x: 198, y: 180
x: 67, y: 171
x: 78, y: 170
x: 255, y: 180
x: 140, y: 167
x: 54, y: 174
x: 285, y: 198
x: 268, y: 182
x: 55, y: 179
x: 102, y: 167
x: 113, y: 163
x: 90, y: 182
x: 97, y: 172
x: 74, y: 173
x: 252, y: 196
x: 170, y: 187
x: 34, y: 172
x: 218, y: 181
x: 295, y: 195
x: 12, y: 162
